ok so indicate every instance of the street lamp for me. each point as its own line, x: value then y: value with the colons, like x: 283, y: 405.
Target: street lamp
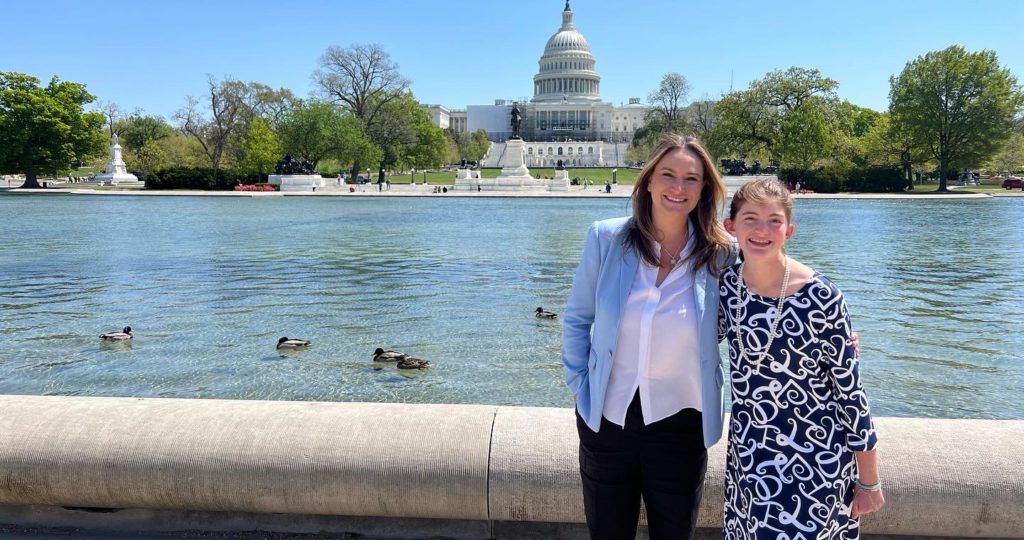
x: 613, y: 175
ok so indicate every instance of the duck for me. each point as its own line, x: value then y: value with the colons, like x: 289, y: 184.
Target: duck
x: 287, y: 343
x: 541, y: 314
x: 123, y: 335
x: 380, y: 355
x: 411, y: 362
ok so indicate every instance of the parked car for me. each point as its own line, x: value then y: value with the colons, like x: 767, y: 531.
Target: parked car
x: 362, y: 179
x: 1013, y: 183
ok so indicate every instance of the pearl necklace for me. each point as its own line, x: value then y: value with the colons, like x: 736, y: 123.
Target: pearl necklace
x: 775, y: 322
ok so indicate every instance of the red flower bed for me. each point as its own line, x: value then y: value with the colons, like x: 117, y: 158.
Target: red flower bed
x: 255, y: 187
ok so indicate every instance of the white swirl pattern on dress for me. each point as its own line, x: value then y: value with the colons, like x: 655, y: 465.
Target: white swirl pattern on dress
x: 797, y: 419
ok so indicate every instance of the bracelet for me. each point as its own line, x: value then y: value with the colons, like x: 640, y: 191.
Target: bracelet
x: 869, y: 487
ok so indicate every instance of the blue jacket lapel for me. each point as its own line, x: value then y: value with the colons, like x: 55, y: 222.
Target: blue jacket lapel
x: 626, y: 274
x: 699, y: 283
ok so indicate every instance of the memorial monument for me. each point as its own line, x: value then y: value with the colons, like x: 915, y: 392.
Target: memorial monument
x: 295, y: 175
x: 116, y: 173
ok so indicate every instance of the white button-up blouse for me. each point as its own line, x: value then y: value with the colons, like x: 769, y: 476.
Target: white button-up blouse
x: 657, y: 351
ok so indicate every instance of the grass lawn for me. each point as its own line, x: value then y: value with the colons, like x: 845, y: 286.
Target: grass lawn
x: 930, y: 188
x: 596, y: 176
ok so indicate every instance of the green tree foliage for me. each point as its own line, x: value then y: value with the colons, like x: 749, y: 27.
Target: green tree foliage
x: 959, y: 105
x: 137, y: 130
x: 317, y: 130
x: 431, y: 148
x: 395, y: 131
x: 474, y: 146
x: 261, y: 149
x: 753, y: 121
x: 891, y: 144
x: 1010, y: 157
x: 44, y: 129
x: 365, y: 81
x: 804, y: 136
x: 219, y: 121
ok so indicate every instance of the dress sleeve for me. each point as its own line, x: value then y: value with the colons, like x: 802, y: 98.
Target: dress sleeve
x: 579, y: 314
x: 843, y: 372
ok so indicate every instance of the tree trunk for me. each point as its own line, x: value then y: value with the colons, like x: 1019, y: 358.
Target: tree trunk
x: 31, y: 181
x: 908, y: 173
x: 943, y: 161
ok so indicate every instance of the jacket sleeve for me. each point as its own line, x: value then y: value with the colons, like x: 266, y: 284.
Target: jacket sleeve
x: 579, y: 314
x: 843, y: 369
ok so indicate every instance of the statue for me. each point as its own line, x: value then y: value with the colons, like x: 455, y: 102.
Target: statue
x: 560, y: 166
x: 517, y: 120
x: 288, y: 166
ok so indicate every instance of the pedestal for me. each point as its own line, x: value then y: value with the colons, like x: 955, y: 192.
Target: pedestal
x: 514, y: 176
x: 297, y: 182
x: 560, y: 182
x: 466, y: 180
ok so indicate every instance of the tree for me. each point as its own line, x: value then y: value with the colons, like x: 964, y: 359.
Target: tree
x: 261, y: 148
x: 232, y: 104
x: 667, y: 102
x: 394, y: 130
x: 959, y: 105
x: 361, y: 77
x: 365, y: 81
x: 1010, y: 157
x: 754, y: 120
x: 804, y: 136
x: 431, y: 148
x: 890, y: 144
x: 138, y: 130
x: 317, y: 130
x: 44, y: 129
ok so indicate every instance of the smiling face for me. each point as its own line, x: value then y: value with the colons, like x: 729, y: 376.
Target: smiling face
x: 675, y: 185
x: 761, y: 228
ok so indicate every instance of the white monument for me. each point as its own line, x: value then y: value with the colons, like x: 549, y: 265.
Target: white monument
x: 116, y: 173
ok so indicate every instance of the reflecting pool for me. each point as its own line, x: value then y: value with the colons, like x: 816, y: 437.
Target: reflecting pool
x: 210, y: 284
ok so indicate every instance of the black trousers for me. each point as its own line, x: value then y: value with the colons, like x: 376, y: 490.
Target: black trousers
x: 664, y: 463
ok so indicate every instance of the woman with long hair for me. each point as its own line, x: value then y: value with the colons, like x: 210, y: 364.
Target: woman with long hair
x: 641, y: 350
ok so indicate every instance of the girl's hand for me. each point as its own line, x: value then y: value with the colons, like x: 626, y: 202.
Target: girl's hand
x: 865, y: 502
x: 856, y: 342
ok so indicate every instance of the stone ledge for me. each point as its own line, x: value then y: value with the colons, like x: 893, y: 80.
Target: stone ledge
x: 473, y: 463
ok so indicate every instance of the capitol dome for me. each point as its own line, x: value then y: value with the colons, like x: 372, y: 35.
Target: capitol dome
x: 567, y: 67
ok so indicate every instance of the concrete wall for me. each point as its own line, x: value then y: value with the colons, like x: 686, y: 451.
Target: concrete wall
x: 468, y: 463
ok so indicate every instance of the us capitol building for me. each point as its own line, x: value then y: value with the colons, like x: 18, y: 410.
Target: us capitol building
x: 566, y: 118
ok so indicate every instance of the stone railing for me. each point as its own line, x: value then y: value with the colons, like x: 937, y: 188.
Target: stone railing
x: 454, y: 462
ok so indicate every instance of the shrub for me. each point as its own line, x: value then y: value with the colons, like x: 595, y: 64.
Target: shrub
x: 876, y: 180
x: 202, y: 178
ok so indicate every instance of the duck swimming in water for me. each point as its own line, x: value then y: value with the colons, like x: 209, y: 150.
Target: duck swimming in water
x: 123, y: 335
x: 410, y: 362
x: 541, y: 314
x: 380, y: 355
x: 285, y: 343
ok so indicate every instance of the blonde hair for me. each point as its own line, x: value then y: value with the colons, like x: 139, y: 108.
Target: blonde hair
x: 710, y: 237
x: 764, y: 190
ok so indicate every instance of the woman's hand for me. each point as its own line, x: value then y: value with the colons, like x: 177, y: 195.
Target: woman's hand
x: 856, y: 342
x: 865, y: 502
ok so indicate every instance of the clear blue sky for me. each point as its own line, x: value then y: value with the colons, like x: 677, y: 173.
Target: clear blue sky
x: 151, y: 55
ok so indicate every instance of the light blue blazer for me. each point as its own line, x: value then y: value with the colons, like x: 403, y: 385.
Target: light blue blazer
x: 591, y: 326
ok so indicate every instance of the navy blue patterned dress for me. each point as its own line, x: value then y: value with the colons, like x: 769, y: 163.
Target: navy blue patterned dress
x: 797, y: 418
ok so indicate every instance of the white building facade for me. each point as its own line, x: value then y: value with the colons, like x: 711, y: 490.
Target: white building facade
x: 566, y: 118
